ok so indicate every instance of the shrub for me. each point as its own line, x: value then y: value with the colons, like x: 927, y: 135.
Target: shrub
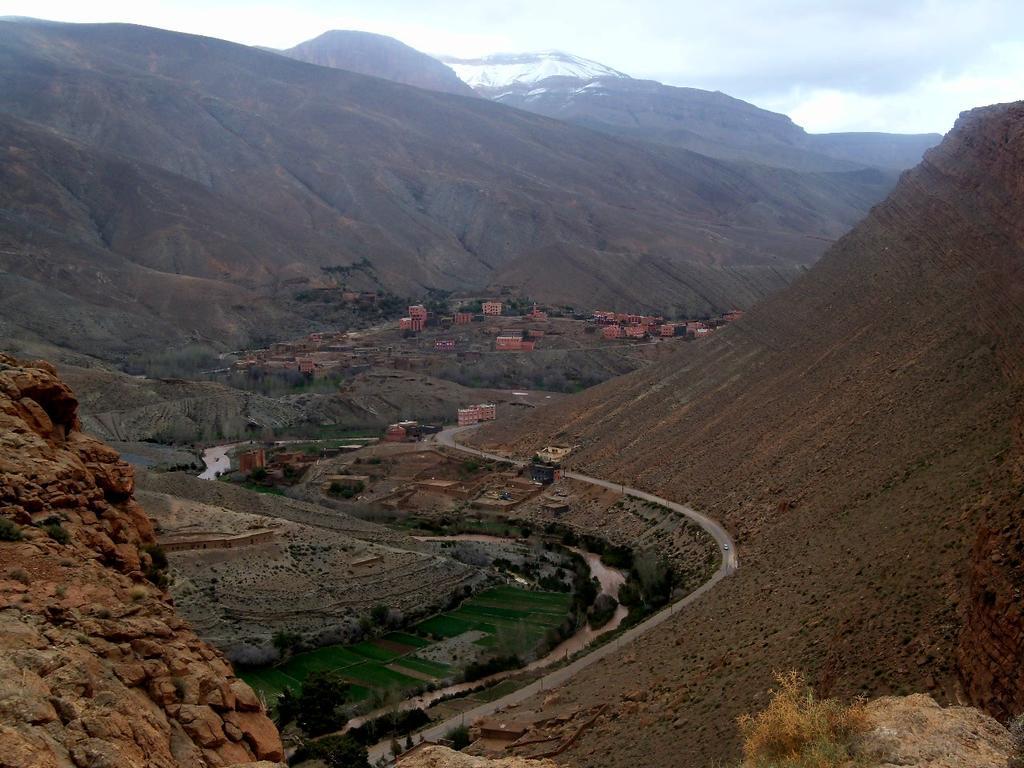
x: 602, y: 610
x: 285, y: 641
x: 55, y: 532
x: 156, y: 571
x: 393, y: 723
x: 9, y: 530
x: 479, y: 669
x: 458, y: 736
x: 335, y: 752
x: 799, y: 730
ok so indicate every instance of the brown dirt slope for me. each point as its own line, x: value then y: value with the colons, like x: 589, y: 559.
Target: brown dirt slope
x: 96, y: 668
x: 855, y: 431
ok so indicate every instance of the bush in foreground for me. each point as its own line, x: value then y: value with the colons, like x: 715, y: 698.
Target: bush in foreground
x: 799, y: 730
x: 9, y: 530
x: 458, y: 736
x: 334, y: 751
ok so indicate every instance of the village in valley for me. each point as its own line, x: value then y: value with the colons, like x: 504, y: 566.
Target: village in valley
x: 427, y: 339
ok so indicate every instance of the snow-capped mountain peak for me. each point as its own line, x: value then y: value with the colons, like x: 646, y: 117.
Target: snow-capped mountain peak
x: 502, y: 70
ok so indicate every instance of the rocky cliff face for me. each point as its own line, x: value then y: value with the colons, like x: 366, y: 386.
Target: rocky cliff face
x: 991, y: 652
x: 96, y: 670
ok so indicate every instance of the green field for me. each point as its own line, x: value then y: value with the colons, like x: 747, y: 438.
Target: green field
x: 403, y: 638
x: 512, y: 619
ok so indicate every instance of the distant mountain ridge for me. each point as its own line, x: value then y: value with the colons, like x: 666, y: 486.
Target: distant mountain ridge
x: 502, y: 70
x: 591, y: 94
x: 588, y: 93
x: 379, y: 56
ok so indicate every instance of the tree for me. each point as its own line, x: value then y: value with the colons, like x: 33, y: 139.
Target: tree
x: 287, y: 708
x: 379, y: 614
x: 339, y: 752
x: 458, y: 736
x: 284, y: 641
x: 320, y: 702
x: 655, y: 577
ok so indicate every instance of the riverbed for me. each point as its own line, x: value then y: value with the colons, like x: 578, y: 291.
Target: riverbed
x: 216, y: 460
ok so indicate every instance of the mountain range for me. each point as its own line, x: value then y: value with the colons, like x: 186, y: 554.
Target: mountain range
x: 164, y: 188
x: 591, y: 94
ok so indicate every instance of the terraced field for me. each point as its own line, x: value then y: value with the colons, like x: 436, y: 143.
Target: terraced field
x: 511, y: 619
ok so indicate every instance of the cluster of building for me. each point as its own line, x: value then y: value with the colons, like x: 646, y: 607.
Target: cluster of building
x: 278, y: 465
x: 317, y: 355
x: 622, y: 325
x: 474, y: 414
x: 409, y: 431
x: 416, y: 320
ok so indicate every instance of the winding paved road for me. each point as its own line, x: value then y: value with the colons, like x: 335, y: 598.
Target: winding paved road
x: 555, y: 678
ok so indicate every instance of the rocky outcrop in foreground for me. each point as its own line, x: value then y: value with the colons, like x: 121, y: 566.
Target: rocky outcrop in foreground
x: 96, y: 670
x: 915, y: 732
x: 909, y: 731
x: 442, y: 757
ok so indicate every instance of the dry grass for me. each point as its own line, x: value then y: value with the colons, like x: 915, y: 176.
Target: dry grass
x: 799, y: 730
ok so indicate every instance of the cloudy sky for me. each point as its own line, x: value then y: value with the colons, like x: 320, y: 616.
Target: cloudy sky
x: 833, y: 65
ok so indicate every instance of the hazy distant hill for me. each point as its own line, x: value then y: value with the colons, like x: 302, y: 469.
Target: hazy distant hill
x: 591, y: 94
x: 379, y: 56
x: 167, y: 186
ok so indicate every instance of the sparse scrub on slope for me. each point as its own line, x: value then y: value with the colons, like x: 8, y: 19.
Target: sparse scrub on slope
x: 799, y: 730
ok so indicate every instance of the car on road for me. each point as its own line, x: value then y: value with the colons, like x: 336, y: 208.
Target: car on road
x: 725, y: 546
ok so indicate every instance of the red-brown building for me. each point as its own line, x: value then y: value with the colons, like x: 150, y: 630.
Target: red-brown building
x: 667, y: 330
x: 612, y: 332
x: 636, y: 331
x: 411, y: 324
x: 491, y: 307
x: 463, y: 318
x: 251, y: 460
x: 444, y: 345
x: 473, y: 414
x: 418, y: 311
x: 732, y: 315
x: 403, y: 431
x: 508, y: 343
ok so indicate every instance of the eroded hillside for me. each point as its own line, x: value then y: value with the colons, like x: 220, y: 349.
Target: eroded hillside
x: 169, y: 187
x: 96, y: 668
x: 855, y: 432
